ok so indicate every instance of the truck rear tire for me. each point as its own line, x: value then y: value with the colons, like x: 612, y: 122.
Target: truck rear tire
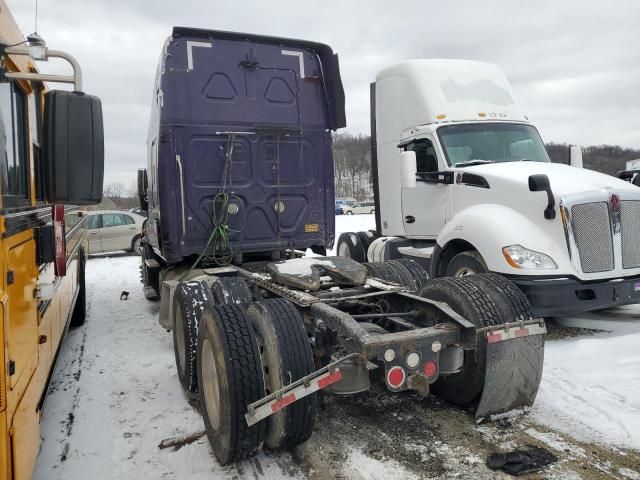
x: 230, y: 378
x: 286, y: 357
x: 404, y: 272
x: 413, y: 275
x: 384, y: 271
x: 525, y: 358
x: 189, y: 301
x: 230, y: 290
x: 478, y: 307
x: 513, y: 304
x: 350, y: 246
x: 466, y: 263
x: 365, y: 239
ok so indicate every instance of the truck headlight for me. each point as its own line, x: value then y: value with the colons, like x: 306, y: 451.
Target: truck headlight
x: 519, y: 257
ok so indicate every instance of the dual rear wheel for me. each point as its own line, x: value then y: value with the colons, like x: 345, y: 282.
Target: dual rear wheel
x: 241, y: 351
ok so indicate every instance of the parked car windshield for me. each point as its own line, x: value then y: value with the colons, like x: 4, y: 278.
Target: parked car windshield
x: 474, y: 144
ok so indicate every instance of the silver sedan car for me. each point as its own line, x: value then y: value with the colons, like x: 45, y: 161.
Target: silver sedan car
x: 114, y: 230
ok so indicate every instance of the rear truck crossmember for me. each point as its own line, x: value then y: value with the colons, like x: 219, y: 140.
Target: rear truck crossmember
x: 415, y: 359
x: 412, y: 359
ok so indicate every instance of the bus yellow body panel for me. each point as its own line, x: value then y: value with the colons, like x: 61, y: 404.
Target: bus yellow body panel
x: 31, y: 327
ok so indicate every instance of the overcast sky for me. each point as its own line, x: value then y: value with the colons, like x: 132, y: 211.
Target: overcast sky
x: 574, y: 65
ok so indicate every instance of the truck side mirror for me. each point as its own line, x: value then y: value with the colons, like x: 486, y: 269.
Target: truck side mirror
x: 143, y: 185
x: 73, y: 148
x: 408, y: 169
x: 540, y: 183
x: 575, y: 156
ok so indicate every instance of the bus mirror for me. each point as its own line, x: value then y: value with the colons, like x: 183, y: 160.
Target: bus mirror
x: 73, y: 148
x: 143, y: 184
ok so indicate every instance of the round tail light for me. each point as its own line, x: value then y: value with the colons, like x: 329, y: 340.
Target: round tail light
x: 396, y: 377
x: 430, y: 369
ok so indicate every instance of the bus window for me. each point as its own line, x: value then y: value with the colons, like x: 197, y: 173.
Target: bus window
x: 13, y: 154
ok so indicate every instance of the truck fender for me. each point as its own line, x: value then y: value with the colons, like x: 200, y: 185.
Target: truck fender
x: 488, y: 228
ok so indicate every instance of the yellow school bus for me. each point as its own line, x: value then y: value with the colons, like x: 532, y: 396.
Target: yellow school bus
x: 51, y: 161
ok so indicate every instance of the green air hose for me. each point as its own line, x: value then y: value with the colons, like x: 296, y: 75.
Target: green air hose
x: 222, y: 252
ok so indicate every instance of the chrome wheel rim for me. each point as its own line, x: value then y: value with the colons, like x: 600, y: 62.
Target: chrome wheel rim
x: 464, y: 271
x: 210, y: 384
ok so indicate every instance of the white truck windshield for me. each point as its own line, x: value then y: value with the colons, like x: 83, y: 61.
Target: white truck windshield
x: 474, y: 144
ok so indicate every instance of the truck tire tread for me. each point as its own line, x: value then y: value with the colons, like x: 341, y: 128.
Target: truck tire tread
x: 230, y: 290
x: 384, y: 271
x: 191, y: 298
x: 515, y: 306
x: 467, y: 299
x: 415, y: 277
x: 354, y: 246
x: 244, y: 380
x: 296, y: 361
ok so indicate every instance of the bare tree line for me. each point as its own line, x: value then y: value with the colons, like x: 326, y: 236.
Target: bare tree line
x: 352, y: 162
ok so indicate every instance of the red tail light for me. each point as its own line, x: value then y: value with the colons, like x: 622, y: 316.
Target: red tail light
x: 430, y: 369
x: 396, y: 377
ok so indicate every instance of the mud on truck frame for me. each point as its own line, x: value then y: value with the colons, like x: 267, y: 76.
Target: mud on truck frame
x: 236, y: 193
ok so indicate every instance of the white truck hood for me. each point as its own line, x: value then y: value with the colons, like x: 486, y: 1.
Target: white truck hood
x: 564, y: 179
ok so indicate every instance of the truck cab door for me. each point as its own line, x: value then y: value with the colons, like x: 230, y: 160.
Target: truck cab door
x: 425, y: 207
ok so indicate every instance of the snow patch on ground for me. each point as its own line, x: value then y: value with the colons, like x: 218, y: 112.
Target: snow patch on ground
x: 359, y: 466
x: 628, y: 473
x: 115, y: 396
x: 590, y: 387
x: 555, y: 441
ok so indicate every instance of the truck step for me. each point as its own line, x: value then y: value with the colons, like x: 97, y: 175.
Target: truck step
x: 150, y: 293
x: 151, y: 263
x: 424, y: 252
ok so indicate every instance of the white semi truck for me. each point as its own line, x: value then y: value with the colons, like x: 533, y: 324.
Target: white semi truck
x: 463, y: 185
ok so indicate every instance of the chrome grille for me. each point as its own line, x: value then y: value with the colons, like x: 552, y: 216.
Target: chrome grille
x: 630, y: 230
x: 592, y: 231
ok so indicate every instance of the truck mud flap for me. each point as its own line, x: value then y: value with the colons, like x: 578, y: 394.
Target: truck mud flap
x: 515, y: 355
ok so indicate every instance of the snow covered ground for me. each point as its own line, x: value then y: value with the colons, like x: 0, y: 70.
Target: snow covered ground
x: 115, y: 396
x: 591, y: 386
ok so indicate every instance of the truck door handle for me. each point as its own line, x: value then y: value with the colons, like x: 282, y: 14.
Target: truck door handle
x: 409, y: 219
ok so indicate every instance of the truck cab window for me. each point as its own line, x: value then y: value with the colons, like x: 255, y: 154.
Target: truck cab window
x: 13, y: 146
x: 491, y: 142
x: 426, y: 159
